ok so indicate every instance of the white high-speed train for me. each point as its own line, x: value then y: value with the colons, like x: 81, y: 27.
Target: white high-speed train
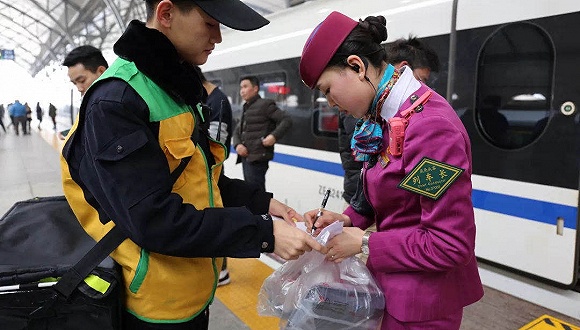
x: 515, y: 85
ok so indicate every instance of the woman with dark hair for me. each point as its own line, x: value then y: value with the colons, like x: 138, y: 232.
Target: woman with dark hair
x: 416, y: 177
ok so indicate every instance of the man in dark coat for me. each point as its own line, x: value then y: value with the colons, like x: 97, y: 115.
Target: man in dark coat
x: 262, y: 124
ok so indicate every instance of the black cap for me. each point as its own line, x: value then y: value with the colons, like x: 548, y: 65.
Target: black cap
x: 233, y: 13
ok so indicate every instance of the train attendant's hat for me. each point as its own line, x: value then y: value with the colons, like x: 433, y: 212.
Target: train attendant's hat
x: 322, y: 44
x: 233, y: 14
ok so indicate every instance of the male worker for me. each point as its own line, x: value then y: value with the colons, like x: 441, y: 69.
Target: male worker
x: 139, y: 157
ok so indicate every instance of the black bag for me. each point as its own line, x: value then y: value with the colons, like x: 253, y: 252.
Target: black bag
x: 359, y: 201
x: 41, y: 241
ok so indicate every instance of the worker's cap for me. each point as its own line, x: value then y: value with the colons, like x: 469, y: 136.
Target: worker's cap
x: 322, y: 45
x: 233, y: 13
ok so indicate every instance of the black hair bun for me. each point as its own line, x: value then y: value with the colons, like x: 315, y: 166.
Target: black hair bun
x: 376, y: 26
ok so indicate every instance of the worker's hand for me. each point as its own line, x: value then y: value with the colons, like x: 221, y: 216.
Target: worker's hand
x: 241, y: 150
x: 291, y: 242
x: 284, y: 211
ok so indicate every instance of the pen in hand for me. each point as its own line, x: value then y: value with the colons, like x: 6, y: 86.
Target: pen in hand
x: 319, y: 214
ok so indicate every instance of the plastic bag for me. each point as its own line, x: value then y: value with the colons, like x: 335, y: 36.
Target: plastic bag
x: 311, y: 293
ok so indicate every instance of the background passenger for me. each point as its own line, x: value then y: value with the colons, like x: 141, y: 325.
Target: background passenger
x: 28, y: 118
x: 52, y: 115
x: 2, y: 111
x: 416, y: 54
x: 39, y: 114
x: 17, y: 112
x: 85, y: 65
x: 221, y: 112
x: 262, y: 124
x: 220, y: 121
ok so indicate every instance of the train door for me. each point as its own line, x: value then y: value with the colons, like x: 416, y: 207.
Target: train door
x: 523, y: 122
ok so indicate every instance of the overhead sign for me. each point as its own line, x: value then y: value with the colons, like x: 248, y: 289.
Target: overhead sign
x: 7, y: 54
x: 547, y: 322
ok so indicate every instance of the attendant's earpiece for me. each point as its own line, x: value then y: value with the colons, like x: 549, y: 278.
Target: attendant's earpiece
x: 356, y: 69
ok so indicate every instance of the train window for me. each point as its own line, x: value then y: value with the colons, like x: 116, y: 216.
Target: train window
x: 280, y: 80
x: 325, y: 119
x: 274, y: 86
x: 514, y: 85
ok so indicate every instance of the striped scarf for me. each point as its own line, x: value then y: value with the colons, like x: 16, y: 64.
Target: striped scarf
x: 367, y: 139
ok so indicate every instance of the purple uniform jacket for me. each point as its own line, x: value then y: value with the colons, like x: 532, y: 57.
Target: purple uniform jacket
x: 423, y: 255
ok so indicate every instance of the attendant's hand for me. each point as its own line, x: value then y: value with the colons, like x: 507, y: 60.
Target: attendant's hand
x: 242, y: 150
x: 325, y: 219
x: 284, y: 211
x: 345, y: 245
x: 291, y: 242
x: 269, y: 140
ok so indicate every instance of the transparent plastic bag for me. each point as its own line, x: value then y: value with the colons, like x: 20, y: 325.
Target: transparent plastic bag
x: 311, y: 293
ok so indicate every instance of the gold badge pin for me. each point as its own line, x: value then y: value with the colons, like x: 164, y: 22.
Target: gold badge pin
x: 384, y: 160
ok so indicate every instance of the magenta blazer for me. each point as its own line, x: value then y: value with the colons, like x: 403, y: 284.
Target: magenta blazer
x: 423, y: 255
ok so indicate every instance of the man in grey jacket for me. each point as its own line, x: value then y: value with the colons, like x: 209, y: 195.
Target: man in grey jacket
x: 262, y: 124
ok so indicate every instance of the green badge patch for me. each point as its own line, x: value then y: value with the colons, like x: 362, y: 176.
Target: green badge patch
x: 430, y: 178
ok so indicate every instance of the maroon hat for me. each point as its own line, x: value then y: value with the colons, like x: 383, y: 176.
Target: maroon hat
x: 322, y: 44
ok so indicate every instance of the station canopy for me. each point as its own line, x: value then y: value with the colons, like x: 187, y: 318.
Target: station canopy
x: 41, y: 32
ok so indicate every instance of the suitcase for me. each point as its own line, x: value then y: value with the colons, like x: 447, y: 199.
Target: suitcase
x: 40, y: 241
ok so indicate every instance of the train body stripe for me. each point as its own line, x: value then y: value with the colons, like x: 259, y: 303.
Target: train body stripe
x: 309, y: 164
x: 531, y: 209
x: 526, y: 208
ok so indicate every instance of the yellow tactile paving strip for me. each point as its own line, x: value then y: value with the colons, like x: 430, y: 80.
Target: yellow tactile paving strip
x: 241, y: 295
x: 51, y: 137
x: 547, y: 322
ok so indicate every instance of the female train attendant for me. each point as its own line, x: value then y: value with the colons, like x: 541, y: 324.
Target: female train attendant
x: 416, y: 177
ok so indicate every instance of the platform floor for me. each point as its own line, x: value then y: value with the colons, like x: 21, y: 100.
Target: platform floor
x: 29, y: 167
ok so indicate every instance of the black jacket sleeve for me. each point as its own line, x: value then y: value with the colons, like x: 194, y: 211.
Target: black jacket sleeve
x: 128, y: 175
x: 351, y: 167
x: 236, y: 192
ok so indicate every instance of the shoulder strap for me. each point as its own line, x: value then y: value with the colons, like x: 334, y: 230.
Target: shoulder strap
x: 105, y: 246
x: 72, y: 278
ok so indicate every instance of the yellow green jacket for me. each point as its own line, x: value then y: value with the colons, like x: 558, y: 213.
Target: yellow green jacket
x: 116, y: 164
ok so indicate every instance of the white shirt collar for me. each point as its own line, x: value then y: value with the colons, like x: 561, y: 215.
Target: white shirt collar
x: 404, y: 87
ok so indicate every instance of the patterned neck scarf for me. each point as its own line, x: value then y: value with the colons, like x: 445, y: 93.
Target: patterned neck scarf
x: 367, y: 139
